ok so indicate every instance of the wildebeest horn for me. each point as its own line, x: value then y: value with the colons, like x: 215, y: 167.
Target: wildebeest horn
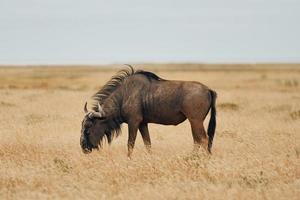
x: 95, y: 115
x: 85, y: 108
x: 100, y: 109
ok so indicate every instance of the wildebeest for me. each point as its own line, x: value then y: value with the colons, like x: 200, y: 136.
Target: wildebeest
x: 141, y: 97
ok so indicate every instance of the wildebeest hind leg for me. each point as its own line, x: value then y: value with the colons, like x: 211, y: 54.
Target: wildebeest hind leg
x: 199, y: 134
x: 145, y: 135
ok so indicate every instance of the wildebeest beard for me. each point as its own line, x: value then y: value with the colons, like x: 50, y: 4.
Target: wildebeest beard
x: 95, y: 135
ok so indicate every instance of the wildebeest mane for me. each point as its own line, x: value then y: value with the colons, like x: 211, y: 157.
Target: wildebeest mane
x: 111, y: 86
x: 149, y: 75
x: 116, y: 81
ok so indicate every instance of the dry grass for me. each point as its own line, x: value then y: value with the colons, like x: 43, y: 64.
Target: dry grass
x: 256, y: 153
x: 228, y: 106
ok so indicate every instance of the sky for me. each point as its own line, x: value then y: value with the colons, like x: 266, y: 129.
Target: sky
x: 100, y: 32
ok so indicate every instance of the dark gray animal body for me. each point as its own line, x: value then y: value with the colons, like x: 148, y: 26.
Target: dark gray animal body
x: 138, y: 98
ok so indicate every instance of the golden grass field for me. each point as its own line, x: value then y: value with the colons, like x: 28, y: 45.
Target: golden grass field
x: 256, y: 151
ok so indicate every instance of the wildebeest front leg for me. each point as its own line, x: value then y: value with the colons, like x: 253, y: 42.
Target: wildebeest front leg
x: 145, y: 135
x: 132, y: 131
x: 199, y: 134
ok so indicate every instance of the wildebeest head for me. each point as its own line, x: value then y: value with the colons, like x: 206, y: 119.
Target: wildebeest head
x: 93, y: 129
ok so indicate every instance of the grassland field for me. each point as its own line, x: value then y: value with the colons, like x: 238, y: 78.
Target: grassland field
x: 256, y: 151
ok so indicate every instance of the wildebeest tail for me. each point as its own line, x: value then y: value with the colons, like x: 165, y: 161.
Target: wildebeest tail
x: 212, y: 122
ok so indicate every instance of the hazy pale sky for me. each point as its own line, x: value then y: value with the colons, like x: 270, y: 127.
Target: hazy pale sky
x: 96, y: 31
